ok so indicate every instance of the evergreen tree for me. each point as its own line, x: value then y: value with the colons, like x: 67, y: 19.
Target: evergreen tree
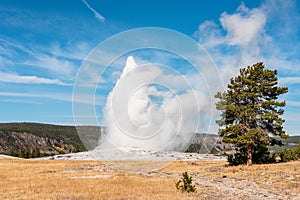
x: 22, y: 153
x: 38, y: 153
x: 185, y: 184
x: 251, y: 110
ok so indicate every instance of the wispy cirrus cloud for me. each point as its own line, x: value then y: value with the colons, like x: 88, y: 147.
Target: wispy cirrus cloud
x: 293, y: 103
x: 97, y: 15
x: 14, y: 78
x: 74, y: 51
x: 54, y: 61
x: 60, y: 68
x: 289, y: 80
x: 66, y: 97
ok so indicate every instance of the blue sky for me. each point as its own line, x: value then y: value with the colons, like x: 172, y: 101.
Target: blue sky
x: 43, y: 44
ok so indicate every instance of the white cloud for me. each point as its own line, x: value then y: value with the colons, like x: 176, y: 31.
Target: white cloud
x: 56, y: 62
x: 59, y: 67
x: 296, y: 104
x: 74, y: 51
x: 289, y: 80
x: 269, y: 34
x: 97, y: 15
x: 248, y: 36
x: 19, y: 101
x: 244, y: 26
x: 209, y: 34
x: 67, y: 97
x: 40, y: 95
x: 14, y: 78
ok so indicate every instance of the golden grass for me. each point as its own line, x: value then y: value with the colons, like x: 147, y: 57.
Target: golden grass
x: 28, y: 179
x: 37, y: 179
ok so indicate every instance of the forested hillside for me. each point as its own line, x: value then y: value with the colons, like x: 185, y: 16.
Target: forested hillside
x: 35, y: 140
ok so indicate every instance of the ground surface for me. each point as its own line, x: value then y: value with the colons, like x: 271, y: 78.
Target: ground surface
x: 67, y: 179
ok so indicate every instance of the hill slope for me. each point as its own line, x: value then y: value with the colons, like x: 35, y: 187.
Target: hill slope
x: 35, y: 140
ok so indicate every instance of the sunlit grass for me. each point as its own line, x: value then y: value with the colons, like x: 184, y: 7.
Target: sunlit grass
x: 37, y: 179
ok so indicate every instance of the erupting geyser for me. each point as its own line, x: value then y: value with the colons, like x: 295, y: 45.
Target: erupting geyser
x: 152, y: 107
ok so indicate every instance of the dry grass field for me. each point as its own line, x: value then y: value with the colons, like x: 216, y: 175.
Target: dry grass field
x: 52, y: 179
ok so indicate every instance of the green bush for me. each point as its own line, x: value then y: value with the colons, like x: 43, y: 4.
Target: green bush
x: 290, y: 154
x: 185, y: 183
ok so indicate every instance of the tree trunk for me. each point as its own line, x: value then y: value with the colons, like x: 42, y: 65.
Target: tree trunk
x: 249, y: 155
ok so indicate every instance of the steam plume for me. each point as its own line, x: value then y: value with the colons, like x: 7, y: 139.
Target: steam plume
x: 145, y: 110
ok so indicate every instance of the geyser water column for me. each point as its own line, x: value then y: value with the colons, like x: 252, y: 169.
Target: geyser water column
x: 132, y: 117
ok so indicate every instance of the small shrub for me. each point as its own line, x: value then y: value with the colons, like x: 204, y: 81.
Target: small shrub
x: 185, y: 183
x: 290, y: 154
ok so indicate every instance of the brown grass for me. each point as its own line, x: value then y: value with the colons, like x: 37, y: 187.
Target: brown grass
x: 27, y: 179
x: 33, y: 179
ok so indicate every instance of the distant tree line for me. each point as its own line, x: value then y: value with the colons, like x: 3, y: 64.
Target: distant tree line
x: 36, y: 152
x: 27, y: 153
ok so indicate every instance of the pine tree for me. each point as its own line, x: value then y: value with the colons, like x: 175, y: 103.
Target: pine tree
x: 185, y: 184
x: 251, y: 110
x: 22, y: 153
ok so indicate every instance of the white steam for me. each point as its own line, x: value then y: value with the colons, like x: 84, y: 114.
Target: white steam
x: 145, y: 109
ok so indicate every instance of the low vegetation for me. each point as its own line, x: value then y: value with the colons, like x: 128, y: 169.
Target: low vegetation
x: 290, y: 154
x: 185, y: 184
